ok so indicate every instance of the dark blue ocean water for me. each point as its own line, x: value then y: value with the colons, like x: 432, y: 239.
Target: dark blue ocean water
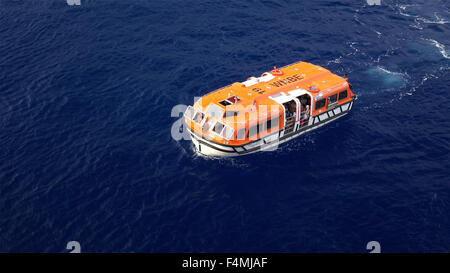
x: 86, y: 153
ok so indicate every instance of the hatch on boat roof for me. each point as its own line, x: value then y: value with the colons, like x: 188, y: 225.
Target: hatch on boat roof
x: 231, y: 100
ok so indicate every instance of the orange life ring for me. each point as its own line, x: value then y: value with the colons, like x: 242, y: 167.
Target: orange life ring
x: 313, y: 89
x: 276, y: 72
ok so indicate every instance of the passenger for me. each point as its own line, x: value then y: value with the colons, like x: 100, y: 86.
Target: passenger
x: 288, y: 113
x: 305, y: 116
x: 293, y: 110
x: 199, y: 118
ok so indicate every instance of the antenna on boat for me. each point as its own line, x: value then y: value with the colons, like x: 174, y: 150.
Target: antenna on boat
x: 346, y: 79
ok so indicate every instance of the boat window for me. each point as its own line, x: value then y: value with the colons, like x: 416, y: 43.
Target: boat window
x: 218, y: 128
x: 225, y: 103
x: 234, y: 99
x: 199, y: 117
x: 320, y: 104
x: 229, y: 101
x: 241, y: 134
x: 272, y: 123
x: 214, y: 111
x: 254, y: 130
x: 190, y: 112
x: 230, y: 114
x: 343, y: 95
x: 332, y: 100
x: 227, y: 132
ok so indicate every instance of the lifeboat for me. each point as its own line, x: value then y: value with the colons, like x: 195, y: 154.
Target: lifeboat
x: 263, y: 112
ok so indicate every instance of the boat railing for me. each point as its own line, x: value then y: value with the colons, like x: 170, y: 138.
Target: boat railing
x: 290, y: 122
